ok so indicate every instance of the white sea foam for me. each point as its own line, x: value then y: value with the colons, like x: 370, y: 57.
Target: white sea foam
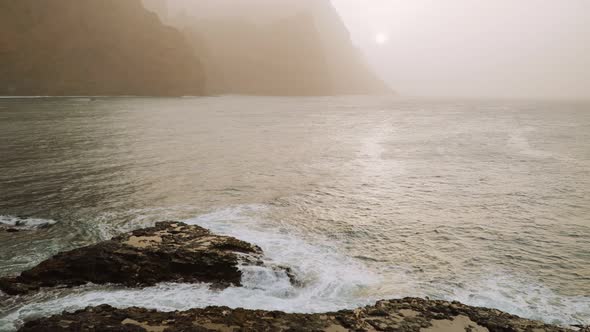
x: 24, y: 223
x: 330, y: 280
x: 524, y: 297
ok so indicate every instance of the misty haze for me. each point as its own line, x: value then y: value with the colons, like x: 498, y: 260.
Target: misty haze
x: 295, y: 165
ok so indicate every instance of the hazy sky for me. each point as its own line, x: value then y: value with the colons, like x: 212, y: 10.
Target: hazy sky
x: 489, y: 48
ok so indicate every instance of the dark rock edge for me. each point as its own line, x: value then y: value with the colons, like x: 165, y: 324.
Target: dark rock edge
x: 168, y: 252
x: 177, y: 252
x: 407, y: 315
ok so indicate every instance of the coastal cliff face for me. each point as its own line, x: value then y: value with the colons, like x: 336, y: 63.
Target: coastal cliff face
x: 348, y: 69
x: 266, y: 47
x: 111, y: 47
x: 87, y: 47
x: 283, y: 58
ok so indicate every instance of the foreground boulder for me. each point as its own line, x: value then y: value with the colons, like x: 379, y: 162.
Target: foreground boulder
x: 167, y: 252
x: 408, y: 314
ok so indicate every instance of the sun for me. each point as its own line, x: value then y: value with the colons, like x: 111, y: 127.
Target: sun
x: 381, y: 38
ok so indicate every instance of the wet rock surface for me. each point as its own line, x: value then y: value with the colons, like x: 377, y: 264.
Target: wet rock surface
x: 177, y: 252
x: 408, y: 314
x: 167, y: 252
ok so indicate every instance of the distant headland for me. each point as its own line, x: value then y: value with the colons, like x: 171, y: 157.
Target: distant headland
x: 135, y: 48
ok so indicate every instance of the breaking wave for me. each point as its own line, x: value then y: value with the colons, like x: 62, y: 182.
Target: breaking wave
x: 22, y: 223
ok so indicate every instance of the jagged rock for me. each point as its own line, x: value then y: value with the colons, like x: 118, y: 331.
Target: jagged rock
x: 168, y: 252
x: 416, y: 315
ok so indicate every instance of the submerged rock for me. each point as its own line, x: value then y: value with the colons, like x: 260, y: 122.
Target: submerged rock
x: 408, y: 314
x: 167, y: 252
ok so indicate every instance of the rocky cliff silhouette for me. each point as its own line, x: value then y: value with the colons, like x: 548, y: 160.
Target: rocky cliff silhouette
x: 92, y: 47
x: 178, y: 47
x: 278, y: 47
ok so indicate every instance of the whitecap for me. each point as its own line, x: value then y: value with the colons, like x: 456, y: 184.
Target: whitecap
x: 24, y: 223
x: 328, y: 280
x: 525, y: 297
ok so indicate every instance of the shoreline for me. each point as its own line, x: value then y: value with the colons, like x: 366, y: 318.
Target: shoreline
x: 406, y: 315
x: 177, y: 252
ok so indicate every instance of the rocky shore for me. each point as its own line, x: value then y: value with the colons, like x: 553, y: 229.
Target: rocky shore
x: 168, y: 252
x: 415, y: 315
x: 176, y: 252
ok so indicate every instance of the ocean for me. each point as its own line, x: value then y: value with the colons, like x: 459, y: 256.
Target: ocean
x: 482, y: 201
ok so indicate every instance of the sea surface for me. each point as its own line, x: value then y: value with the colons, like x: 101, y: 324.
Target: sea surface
x: 486, y: 202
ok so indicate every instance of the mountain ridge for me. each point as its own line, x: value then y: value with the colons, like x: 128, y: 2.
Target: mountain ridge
x: 134, y: 48
x: 84, y: 47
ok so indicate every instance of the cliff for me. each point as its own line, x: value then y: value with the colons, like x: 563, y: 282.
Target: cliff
x: 111, y: 47
x: 267, y: 47
x: 284, y: 58
x: 86, y: 47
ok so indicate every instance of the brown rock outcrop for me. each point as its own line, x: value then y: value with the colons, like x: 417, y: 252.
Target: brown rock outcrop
x: 168, y: 252
x: 406, y: 315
